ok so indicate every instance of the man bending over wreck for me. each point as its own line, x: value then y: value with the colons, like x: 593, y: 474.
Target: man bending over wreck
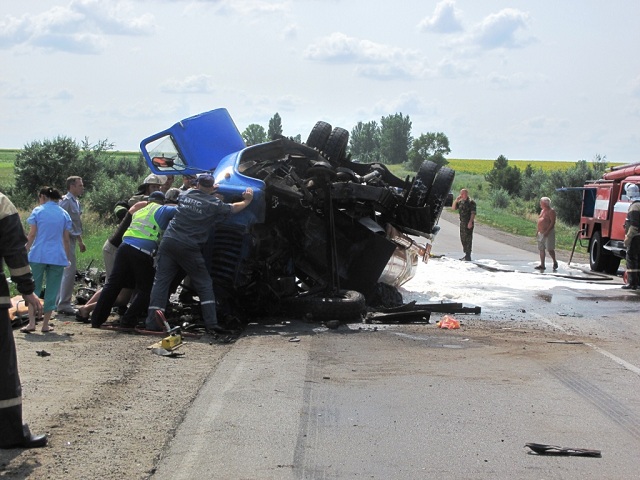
x: 181, y: 247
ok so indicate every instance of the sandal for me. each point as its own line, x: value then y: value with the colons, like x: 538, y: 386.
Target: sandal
x: 540, y: 267
x: 27, y: 330
x: 50, y: 329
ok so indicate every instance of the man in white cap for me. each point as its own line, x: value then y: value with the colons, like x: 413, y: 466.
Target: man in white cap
x: 632, y: 238
x: 152, y: 183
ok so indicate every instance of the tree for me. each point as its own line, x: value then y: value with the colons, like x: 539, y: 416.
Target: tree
x: 275, y: 127
x: 568, y: 204
x: 364, y: 142
x: 504, y: 176
x: 47, y: 162
x: 254, y: 134
x: 599, y: 165
x: 429, y: 146
x: 395, y: 138
x: 534, y: 183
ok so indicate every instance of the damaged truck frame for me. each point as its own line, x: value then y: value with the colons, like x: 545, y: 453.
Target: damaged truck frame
x: 324, y: 236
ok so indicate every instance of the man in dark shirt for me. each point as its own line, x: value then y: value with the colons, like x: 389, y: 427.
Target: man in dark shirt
x: 181, y: 248
x: 467, y: 209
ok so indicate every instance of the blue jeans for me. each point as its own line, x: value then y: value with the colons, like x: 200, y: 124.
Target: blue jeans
x: 173, y: 256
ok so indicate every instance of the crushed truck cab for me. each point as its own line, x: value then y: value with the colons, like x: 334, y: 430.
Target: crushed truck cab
x: 323, y: 235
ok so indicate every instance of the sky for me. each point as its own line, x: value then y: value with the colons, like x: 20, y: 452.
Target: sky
x: 530, y: 80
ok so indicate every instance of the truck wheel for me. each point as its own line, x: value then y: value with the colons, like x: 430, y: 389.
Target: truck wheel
x: 439, y: 192
x: 346, y: 305
x: 419, y: 191
x: 596, y: 253
x: 336, y: 146
x: 319, y: 135
x: 612, y: 264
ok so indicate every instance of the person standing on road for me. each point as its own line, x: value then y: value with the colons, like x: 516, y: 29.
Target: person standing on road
x: 71, y: 204
x: 467, y: 210
x: 181, y: 248
x: 632, y: 238
x: 13, y: 433
x: 546, y: 234
x: 48, y: 247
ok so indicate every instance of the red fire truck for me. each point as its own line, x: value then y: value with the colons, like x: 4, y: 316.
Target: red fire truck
x: 604, y: 210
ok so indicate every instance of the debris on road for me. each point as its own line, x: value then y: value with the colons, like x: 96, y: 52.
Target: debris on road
x: 448, y: 322
x: 542, y: 449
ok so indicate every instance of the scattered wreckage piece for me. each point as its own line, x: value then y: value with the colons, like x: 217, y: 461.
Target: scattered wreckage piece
x: 542, y: 449
x: 413, y: 312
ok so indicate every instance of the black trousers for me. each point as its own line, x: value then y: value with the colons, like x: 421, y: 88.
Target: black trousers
x: 12, y: 431
x: 633, y: 262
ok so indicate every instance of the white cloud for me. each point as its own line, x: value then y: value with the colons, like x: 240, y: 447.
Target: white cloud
x: 249, y: 8
x: 373, y: 60
x: 448, y: 68
x: 79, y: 27
x: 191, y: 84
x: 444, y: 19
x: 505, y: 29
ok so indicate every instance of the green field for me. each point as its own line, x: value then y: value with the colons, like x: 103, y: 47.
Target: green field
x: 482, y: 167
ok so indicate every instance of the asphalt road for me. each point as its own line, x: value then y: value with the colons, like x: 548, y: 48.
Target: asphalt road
x: 557, y: 365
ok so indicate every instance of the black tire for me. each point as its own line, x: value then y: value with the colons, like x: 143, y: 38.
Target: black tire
x: 439, y: 192
x: 421, y: 186
x: 596, y: 252
x: 346, y: 305
x: 319, y: 135
x: 601, y: 260
x: 336, y: 146
x: 612, y: 264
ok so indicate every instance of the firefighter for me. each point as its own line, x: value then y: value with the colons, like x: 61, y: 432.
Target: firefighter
x: 13, y: 254
x: 632, y: 238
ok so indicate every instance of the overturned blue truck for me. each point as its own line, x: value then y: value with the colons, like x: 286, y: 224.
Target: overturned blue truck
x: 324, y: 237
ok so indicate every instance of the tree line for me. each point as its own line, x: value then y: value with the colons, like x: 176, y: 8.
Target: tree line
x: 109, y: 178
x: 388, y: 141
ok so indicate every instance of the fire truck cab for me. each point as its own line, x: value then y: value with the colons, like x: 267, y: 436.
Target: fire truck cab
x: 604, y: 211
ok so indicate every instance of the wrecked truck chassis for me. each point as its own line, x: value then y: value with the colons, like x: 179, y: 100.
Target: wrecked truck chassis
x: 323, y: 235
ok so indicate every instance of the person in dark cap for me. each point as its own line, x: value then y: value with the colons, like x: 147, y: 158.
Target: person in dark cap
x: 13, y: 253
x: 134, y: 261
x: 181, y: 248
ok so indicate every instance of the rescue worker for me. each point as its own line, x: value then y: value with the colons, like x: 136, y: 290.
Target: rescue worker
x: 181, y: 248
x: 134, y: 260
x: 13, y: 433
x: 632, y: 238
x: 467, y: 210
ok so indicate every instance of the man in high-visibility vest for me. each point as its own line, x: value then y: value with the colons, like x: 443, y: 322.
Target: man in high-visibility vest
x: 134, y: 261
x: 13, y: 433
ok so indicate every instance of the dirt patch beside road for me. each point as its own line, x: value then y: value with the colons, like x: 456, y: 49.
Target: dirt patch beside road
x: 107, y: 403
